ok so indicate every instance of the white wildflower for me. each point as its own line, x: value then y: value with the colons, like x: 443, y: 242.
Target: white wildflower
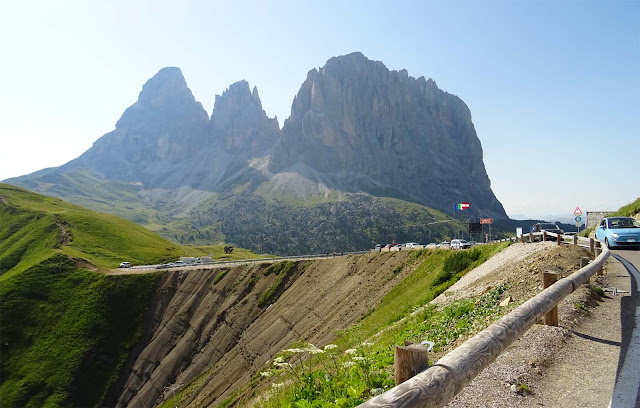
x: 282, y: 365
x: 277, y: 386
x: 330, y: 347
x: 356, y: 358
x: 313, y: 349
x: 348, y: 364
x: 278, y: 360
x: 353, y: 352
x: 266, y: 373
x: 365, y: 344
x: 295, y: 350
x: 376, y: 391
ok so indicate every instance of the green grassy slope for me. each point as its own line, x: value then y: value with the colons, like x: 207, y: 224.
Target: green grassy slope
x: 628, y: 210
x: 34, y: 228
x: 66, y: 330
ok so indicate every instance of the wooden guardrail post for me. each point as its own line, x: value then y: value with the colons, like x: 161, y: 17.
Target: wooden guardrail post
x: 544, y: 236
x: 559, y: 238
x: 575, y: 240
x: 592, y: 245
x: 522, y: 238
x: 548, y: 279
x: 409, y: 361
x: 530, y: 238
x: 598, y: 251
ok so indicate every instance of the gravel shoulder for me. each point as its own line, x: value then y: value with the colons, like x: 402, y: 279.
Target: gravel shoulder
x: 573, y: 365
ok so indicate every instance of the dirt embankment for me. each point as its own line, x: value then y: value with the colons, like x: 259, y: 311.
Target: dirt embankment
x: 214, y: 332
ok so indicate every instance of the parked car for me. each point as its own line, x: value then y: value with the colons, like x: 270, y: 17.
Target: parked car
x: 619, y: 232
x: 125, y: 265
x: 460, y: 244
x: 548, y: 227
x: 391, y: 246
x: 179, y: 263
x: 411, y: 245
x: 378, y: 247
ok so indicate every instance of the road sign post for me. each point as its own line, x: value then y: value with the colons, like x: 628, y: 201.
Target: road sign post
x: 578, y: 213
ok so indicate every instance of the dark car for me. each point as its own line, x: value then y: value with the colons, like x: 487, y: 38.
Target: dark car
x: 548, y: 227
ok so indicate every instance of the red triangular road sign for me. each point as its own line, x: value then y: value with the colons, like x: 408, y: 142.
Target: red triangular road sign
x: 577, y: 211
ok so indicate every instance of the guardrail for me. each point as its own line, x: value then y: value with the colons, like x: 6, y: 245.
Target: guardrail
x: 437, y: 385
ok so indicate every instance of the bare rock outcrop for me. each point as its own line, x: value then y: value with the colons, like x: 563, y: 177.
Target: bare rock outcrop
x: 364, y: 127
x: 240, y: 124
x: 165, y: 126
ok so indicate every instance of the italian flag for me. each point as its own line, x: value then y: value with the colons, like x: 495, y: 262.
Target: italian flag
x: 462, y: 206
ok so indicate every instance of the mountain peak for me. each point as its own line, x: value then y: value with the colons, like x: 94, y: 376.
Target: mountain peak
x: 355, y: 120
x: 240, y: 122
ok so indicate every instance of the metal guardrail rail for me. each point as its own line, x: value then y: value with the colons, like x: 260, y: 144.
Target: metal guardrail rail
x: 437, y: 385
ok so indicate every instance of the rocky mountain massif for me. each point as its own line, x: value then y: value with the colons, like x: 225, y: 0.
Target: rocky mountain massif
x: 361, y: 140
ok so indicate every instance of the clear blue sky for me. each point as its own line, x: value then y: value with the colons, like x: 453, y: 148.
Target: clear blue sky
x: 553, y: 86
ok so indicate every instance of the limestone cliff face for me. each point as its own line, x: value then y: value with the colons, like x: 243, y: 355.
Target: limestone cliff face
x: 363, y: 126
x: 240, y: 124
x: 165, y: 126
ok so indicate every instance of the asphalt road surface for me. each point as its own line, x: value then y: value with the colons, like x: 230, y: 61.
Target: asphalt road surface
x: 626, y: 393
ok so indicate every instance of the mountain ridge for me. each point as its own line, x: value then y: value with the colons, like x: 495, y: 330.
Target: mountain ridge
x: 355, y: 127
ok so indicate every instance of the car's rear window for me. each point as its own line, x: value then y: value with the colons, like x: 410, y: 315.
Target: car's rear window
x: 548, y: 226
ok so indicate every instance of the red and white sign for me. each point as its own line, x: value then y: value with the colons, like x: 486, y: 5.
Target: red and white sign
x: 577, y: 211
x: 486, y: 220
x: 464, y: 206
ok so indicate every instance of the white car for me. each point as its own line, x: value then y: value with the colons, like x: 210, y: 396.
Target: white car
x: 460, y: 244
x: 125, y: 265
x: 411, y: 245
x: 179, y: 263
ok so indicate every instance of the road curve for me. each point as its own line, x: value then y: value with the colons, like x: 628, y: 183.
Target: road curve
x: 626, y: 393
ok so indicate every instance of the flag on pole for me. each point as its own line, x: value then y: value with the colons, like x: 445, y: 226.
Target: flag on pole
x: 462, y: 206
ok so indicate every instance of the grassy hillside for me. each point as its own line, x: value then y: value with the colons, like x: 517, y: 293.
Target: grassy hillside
x: 250, y: 217
x: 66, y: 332
x: 629, y: 210
x: 66, y: 329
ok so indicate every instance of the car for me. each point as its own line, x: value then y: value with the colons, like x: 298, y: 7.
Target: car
x: 391, y: 247
x: 411, y: 245
x: 460, y: 244
x: 619, y: 232
x: 165, y: 266
x: 548, y: 227
x: 472, y: 243
x: 378, y: 247
x: 179, y: 263
x: 125, y: 265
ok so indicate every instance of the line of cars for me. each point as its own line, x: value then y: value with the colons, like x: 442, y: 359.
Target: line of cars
x: 454, y: 244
